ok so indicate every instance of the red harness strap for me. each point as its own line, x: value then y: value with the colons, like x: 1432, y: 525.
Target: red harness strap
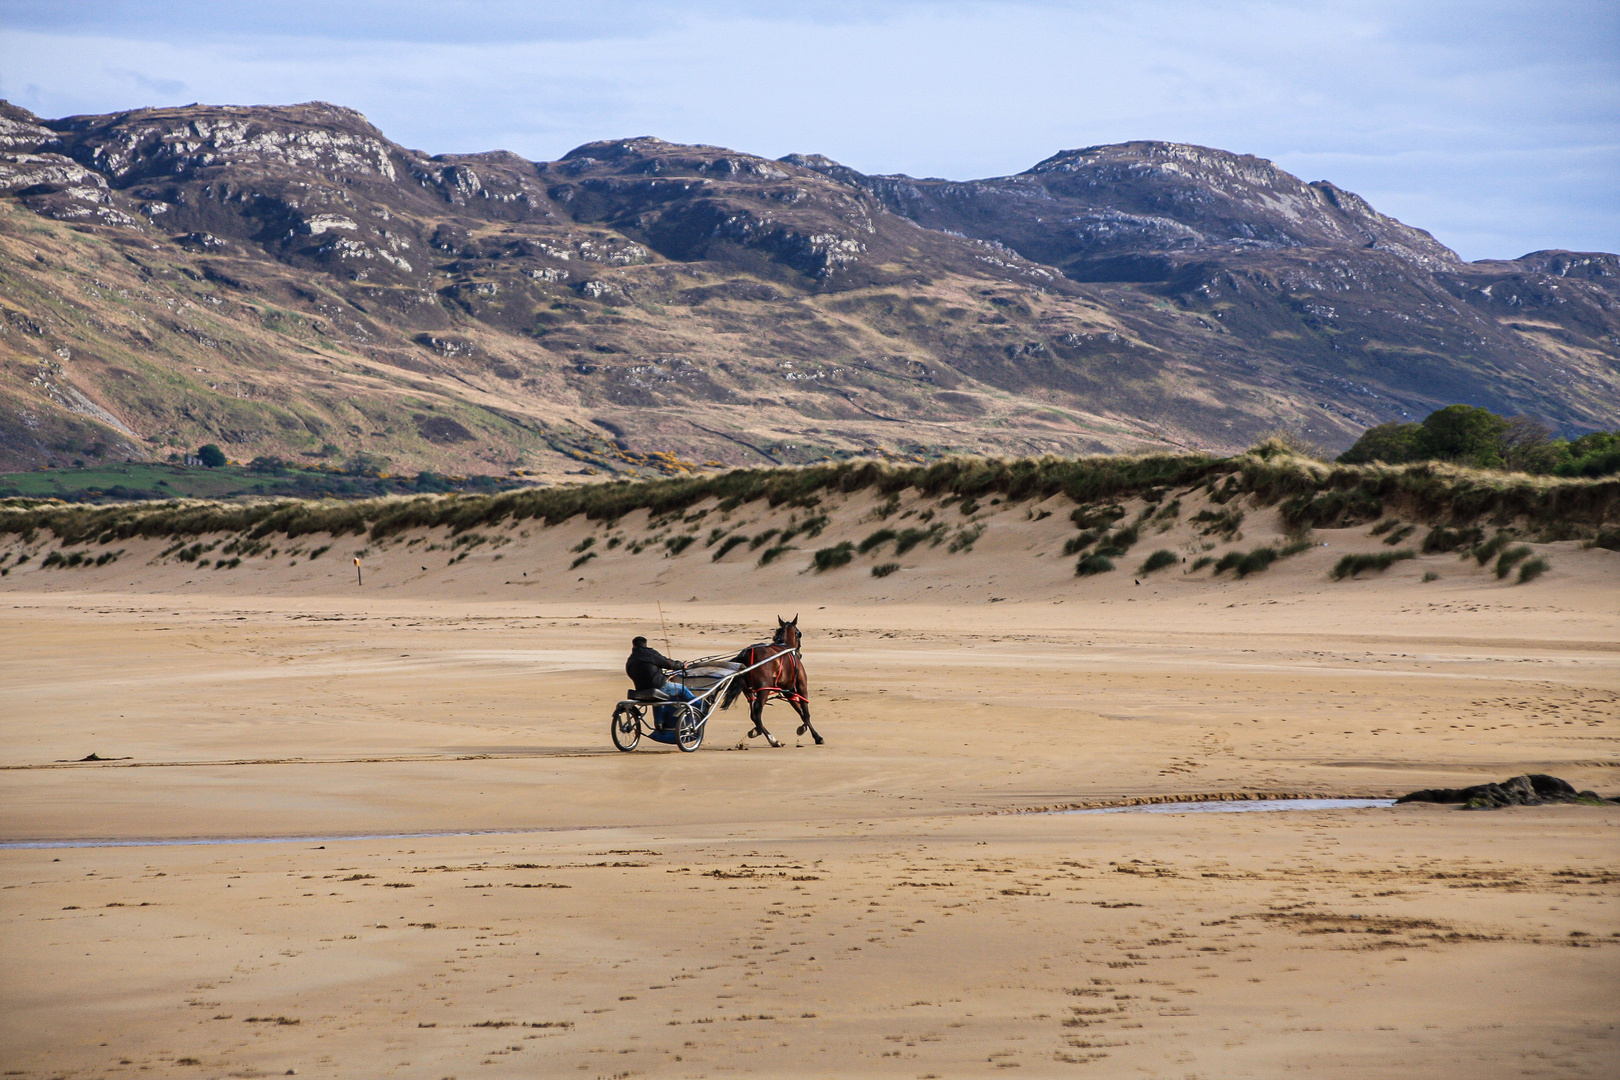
x: 786, y: 695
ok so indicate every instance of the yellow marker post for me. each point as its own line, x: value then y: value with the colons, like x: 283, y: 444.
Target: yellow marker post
x: 358, y: 579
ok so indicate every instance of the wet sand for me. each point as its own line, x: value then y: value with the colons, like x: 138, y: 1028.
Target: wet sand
x: 887, y: 905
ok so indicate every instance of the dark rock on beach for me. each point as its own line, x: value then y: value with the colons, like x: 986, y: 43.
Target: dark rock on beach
x: 1534, y: 789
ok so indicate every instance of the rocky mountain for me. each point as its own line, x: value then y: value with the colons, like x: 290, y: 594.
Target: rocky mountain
x: 287, y: 281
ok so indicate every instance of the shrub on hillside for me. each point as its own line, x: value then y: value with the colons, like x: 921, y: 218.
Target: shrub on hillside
x: 771, y: 554
x: 910, y: 538
x: 1441, y: 538
x: 965, y: 538
x: 1159, y: 560
x: 1093, y: 564
x: 730, y: 542
x: 1076, y: 544
x: 1096, y: 517
x: 882, y: 536
x: 1352, y: 565
x: 1255, y: 561
x: 1295, y: 442
x: 830, y: 558
x: 1118, y: 542
x: 1226, y: 522
x: 1484, y: 553
x: 1511, y: 558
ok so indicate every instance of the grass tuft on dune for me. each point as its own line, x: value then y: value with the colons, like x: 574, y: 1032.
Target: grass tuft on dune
x: 1310, y: 493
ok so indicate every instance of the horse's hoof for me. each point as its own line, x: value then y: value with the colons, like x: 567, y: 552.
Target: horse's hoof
x: 753, y: 733
x: 819, y: 740
x: 803, y: 728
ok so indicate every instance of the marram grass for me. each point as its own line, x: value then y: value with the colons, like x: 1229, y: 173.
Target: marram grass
x: 1310, y: 493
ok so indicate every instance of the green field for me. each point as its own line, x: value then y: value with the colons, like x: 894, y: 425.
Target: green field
x: 137, y: 481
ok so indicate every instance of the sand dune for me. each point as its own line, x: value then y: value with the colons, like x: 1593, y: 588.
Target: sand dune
x: 888, y: 904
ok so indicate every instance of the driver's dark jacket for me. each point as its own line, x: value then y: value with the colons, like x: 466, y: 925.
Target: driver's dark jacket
x: 646, y: 667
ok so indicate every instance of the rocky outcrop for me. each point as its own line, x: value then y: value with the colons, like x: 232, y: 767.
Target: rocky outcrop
x: 1080, y: 208
x: 1533, y: 789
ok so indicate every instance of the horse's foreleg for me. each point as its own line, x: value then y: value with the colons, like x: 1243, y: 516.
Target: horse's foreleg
x: 803, y: 708
x: 801, y: 702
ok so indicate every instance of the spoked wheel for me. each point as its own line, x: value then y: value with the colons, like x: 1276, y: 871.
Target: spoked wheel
x: 626, y: 728
x: 689, y: 735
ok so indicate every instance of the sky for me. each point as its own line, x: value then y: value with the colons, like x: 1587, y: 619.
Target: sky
x: 1494, y: 124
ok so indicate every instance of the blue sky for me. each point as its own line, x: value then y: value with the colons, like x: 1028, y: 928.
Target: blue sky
x: 1492, y: 124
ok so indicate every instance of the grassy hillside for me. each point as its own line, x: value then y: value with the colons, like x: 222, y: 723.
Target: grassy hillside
x: 143, y: 481
x: 641, y: 301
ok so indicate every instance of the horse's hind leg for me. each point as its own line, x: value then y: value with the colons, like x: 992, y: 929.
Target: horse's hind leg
x: 759, y: 721
x: 804, y: 714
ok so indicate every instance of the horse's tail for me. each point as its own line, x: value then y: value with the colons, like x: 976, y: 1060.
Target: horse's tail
x: 735, y: 688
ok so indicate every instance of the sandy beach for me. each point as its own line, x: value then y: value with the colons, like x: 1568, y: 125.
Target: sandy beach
x: 477, y: 884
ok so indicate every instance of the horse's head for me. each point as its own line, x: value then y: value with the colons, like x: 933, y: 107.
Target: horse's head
x: 787, y: 633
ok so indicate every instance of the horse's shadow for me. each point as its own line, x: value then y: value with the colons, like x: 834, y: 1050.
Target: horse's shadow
x: 526, y: 751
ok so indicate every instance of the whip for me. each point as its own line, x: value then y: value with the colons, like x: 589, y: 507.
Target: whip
x: 665, y: 625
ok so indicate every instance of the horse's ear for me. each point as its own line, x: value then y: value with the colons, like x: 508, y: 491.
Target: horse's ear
x: 779, y: 621
x: 795, y: 619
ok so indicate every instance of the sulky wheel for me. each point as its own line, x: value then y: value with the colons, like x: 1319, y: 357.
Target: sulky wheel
x: 626, y: 727
x: 689, y: 735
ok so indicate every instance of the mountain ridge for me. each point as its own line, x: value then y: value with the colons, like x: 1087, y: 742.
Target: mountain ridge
x: 638, y: 304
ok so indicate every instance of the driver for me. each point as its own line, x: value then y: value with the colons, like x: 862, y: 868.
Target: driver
x: 646, y: 667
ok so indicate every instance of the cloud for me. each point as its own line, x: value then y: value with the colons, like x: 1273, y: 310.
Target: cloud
x: 1494, y: 131
x: 165, y: 88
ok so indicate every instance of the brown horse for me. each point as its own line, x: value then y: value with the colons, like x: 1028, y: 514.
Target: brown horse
x: 782, y: 675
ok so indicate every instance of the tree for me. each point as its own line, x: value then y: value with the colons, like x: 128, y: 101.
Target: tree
x: 363, y: 464
x: 1527, y: 445
x: 1479, y: 437
x: 1393, y: 444
x: 211, y: 456
x: 1597, y: 454
x: 1463, y: 433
